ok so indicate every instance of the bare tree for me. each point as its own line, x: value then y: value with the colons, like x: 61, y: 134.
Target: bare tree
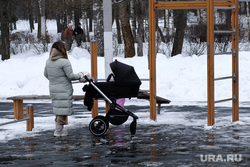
x: 140, y: 29
x: 248, y: 20
x: 180, y: 22
x: 98, y: 31
x: 126, y: 30
x: 117, y: 21
x: 31, y: 15
x: 133, y: 18
x: 5, y: 20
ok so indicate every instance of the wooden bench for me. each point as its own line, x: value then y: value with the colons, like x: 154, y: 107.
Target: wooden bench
x: 18, y: 101
x: 144, y: 94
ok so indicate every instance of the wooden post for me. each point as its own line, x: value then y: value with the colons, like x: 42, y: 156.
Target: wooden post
x: 210, y: 62
x: 107, y: 107
x: 67, y: 120
x: 30, y: 114
x: 235, y: 62
x: 152, y: 59
x: 18, y: 109
x: 209, y: 5
x: 93, y: 46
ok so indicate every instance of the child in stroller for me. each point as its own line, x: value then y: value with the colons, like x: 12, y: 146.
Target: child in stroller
x: 126, y: 84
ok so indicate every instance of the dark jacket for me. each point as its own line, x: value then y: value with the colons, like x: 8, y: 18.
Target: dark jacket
x: 78, y: 30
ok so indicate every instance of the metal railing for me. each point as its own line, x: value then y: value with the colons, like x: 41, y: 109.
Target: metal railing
x: 16, y: 121
x: 29, y: 118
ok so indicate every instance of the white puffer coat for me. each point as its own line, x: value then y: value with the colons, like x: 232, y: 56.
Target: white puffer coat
x: 59, y: 72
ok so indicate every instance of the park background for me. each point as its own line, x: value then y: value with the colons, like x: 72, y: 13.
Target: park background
x: 181, y: 78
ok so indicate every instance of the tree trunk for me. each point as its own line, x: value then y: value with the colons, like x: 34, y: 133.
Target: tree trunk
x: 165, y: 19
x: 133, y: 17
x: 86, y: 27
x: 248, y: 20
x: 162, y: 37
x: 43, y: 19
x: 180, y: 22
x: 38, y: 20
x: 90, y: 16
x: 59, y: 24
x: 118, y: 26
x: 5, y: 19
x: 228, y: 18
x: 31, y: 17
x: 98, y: 31
x: 126, y: 30
x: 77, y: 12
x: 140, y: 29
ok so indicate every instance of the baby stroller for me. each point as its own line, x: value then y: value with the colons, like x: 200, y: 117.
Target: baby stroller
x: 125, y: 85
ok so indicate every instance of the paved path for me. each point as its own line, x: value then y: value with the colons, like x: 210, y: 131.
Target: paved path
x: 153, y: 145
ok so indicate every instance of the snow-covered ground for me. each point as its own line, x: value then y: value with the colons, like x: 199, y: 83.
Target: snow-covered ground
x: 181, y: 79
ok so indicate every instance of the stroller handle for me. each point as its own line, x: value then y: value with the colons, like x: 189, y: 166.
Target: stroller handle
x: 87, y: 79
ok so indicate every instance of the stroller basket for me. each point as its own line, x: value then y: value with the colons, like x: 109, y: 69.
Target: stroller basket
x: 126, y: 84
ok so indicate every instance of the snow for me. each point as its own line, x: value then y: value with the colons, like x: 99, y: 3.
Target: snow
x: 182, y: 79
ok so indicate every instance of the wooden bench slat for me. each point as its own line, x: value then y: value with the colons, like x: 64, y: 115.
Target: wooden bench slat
x: 39, y: 97
x: 18, y: 101
x: 143, y: 94
x: 146, y: 95
x: 28, y: 97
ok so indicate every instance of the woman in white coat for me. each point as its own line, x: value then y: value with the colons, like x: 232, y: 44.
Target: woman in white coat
x: 59, y: 72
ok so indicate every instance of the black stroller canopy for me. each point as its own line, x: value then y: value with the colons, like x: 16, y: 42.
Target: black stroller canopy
x: 124, y: 74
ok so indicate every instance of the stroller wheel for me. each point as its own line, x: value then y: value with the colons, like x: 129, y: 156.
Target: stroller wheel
x: 133, y: 127
x: 98, y: 126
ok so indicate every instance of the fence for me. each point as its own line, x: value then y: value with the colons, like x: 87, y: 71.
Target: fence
x: 29, y: 118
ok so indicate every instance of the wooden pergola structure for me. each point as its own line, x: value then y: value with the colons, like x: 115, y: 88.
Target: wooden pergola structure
x: 210, y: 6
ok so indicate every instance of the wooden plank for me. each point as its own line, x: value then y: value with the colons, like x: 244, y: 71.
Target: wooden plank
x: 94, y: 74
x: 152, y: 59
x: 235, y: 63
x: 40, y: 97
x: 159, y: 100
x: 190, y: 4
x: 78, y: 97
x: 223, y: 3
x: 181, y: 5
x: 142, y: 94
x: 29, y: 97
x: 210, y: 62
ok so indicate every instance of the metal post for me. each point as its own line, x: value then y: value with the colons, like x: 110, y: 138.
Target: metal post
x: 108, y: 45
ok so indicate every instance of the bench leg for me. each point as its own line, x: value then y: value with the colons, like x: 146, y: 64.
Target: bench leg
x: 18, y: 109
x: 67, y: 120
x: 159, y: 108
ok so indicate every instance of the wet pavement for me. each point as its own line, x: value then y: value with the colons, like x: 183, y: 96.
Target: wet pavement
x: 152, y: 145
